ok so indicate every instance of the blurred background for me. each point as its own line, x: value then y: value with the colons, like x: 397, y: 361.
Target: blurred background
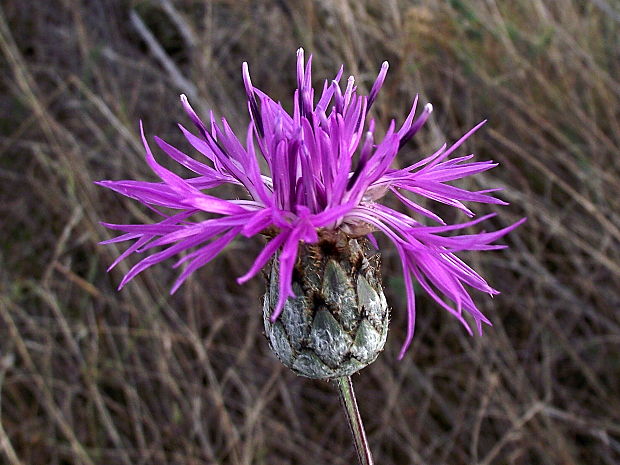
x: 89, y: 375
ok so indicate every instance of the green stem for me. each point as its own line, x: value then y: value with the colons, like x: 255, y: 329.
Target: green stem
x: 347, y: 397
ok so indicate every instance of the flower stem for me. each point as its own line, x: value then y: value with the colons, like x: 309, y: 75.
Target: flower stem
x: 347, y: 397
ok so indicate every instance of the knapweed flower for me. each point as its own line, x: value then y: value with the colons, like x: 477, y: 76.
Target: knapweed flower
x: 314, y: 180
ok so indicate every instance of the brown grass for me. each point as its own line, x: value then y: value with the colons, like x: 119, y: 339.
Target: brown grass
x: 89, y: 375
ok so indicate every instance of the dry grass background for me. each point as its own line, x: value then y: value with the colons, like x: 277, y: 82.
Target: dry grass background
x: 92, y: 376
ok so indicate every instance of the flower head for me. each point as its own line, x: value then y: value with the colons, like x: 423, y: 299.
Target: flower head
x: 319, y: 169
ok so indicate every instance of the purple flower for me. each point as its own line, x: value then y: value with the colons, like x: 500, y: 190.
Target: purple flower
x: 320, y: 167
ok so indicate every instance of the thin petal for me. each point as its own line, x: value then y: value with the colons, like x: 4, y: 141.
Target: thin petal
x: 264, y: 256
